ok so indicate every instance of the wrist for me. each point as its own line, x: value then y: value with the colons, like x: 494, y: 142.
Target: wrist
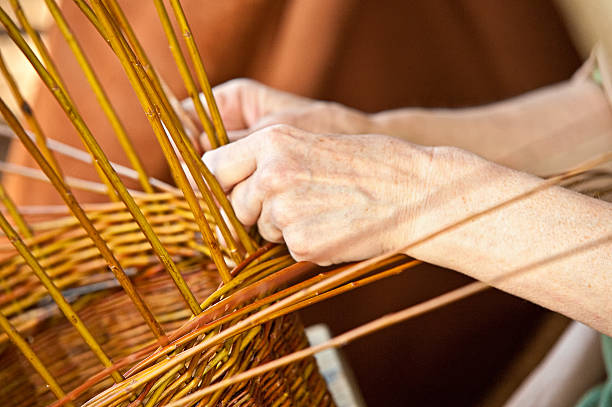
x: 396, y: 123
x: 461, y: 184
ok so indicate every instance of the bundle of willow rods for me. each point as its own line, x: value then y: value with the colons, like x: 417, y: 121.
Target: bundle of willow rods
x: 138, y: 301
x: 160, y: 248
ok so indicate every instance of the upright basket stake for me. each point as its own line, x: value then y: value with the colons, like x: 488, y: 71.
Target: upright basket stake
x: 155, y: 83
x: 57, y: 296
x: 102, y: 160
x: 103, y: 99
x: 196, y: 59
x: 53, y: 72
x: 29, y: 116
x: 153, y: 111
x: 79, y: 213
x: 185, y: 74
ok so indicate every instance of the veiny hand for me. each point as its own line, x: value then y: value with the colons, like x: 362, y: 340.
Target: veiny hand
x: 331, y: 199
x: 246, y: 105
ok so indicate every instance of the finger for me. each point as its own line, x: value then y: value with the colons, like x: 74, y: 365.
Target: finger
x: 247, y: 200
x: 243, y: 102
x: 267, y: 225
x: 232, y: 163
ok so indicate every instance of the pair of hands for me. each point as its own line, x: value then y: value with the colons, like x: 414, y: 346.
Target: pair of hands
x: 297, y: 169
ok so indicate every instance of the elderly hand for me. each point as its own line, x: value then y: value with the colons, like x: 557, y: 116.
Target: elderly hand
x: 246, y: 106
x: 331, y: 199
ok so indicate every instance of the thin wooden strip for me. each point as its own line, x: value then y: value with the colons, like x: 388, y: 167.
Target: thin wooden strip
x: 148, y: 98
x: 10, y: 206
x: 57, y: 295
x: 196, y: 59
x: 103, y: 99
x: 77, y: 154
x: 29, y: 116
x: 73, y: 182
x: 78, y: 212
x: 101, y: 160
x: 53, y: 73
x: 188, y: 81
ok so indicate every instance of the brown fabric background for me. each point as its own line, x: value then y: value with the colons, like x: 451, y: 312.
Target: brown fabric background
x: 371, y: 55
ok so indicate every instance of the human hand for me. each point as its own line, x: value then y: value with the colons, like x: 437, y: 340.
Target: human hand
x: 332, y: 199
x: 246, y: 106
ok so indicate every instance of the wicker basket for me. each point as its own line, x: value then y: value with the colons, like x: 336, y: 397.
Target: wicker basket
x: 76, y: 267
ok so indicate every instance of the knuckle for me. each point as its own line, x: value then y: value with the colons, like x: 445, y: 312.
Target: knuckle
x: 280, y: 131
x: 297, y: 242
x: 277, y: 137
x: 275, y: 176
x: 282, y: 211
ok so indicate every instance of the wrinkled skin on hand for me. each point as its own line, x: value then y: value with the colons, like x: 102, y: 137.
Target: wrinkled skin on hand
x: 246, y: 106
x: 331, y: 198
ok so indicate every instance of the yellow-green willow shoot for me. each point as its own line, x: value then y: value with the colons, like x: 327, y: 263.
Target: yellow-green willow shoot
x: 196, y: 59
x: 144, y: 62
x: 88, y: 226
x: 57, y: 296
x: 101, y: 159
x: 88, y: 12
x: 181, y: 64
x: 152, y: 101
x: 11, y: 208
x: 52, y: 71
x: 117, y: 13
x: 29, y: 354
x: 103, y: 99
x: 38, y: 43
x: 29, y: 116
x: 139, y: 82
x: 166, y: 109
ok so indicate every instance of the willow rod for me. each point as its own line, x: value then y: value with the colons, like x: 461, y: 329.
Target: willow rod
x: 155, y: 89
x: 109, y: 395
x: 73, y: 182
x: 122, y: 23
x: 77, y: 154
x: 101, y: 96
x: 196, y: 59
x: 57, y: 296
x: 181, y: 64
x: 340, y: 340
x: 31, y: 356
x: 181, y: 140
x: 11, y: 208
x: 51, y: 68
x: 80, y: 214
x: 152, y: 110
x: 38, y: 43
x: 29, y: 116
x: 155, y: 83
x: 101, y: 160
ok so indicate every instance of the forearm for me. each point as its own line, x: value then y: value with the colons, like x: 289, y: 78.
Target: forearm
x: 542, y: 132
x: 553, y: 248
